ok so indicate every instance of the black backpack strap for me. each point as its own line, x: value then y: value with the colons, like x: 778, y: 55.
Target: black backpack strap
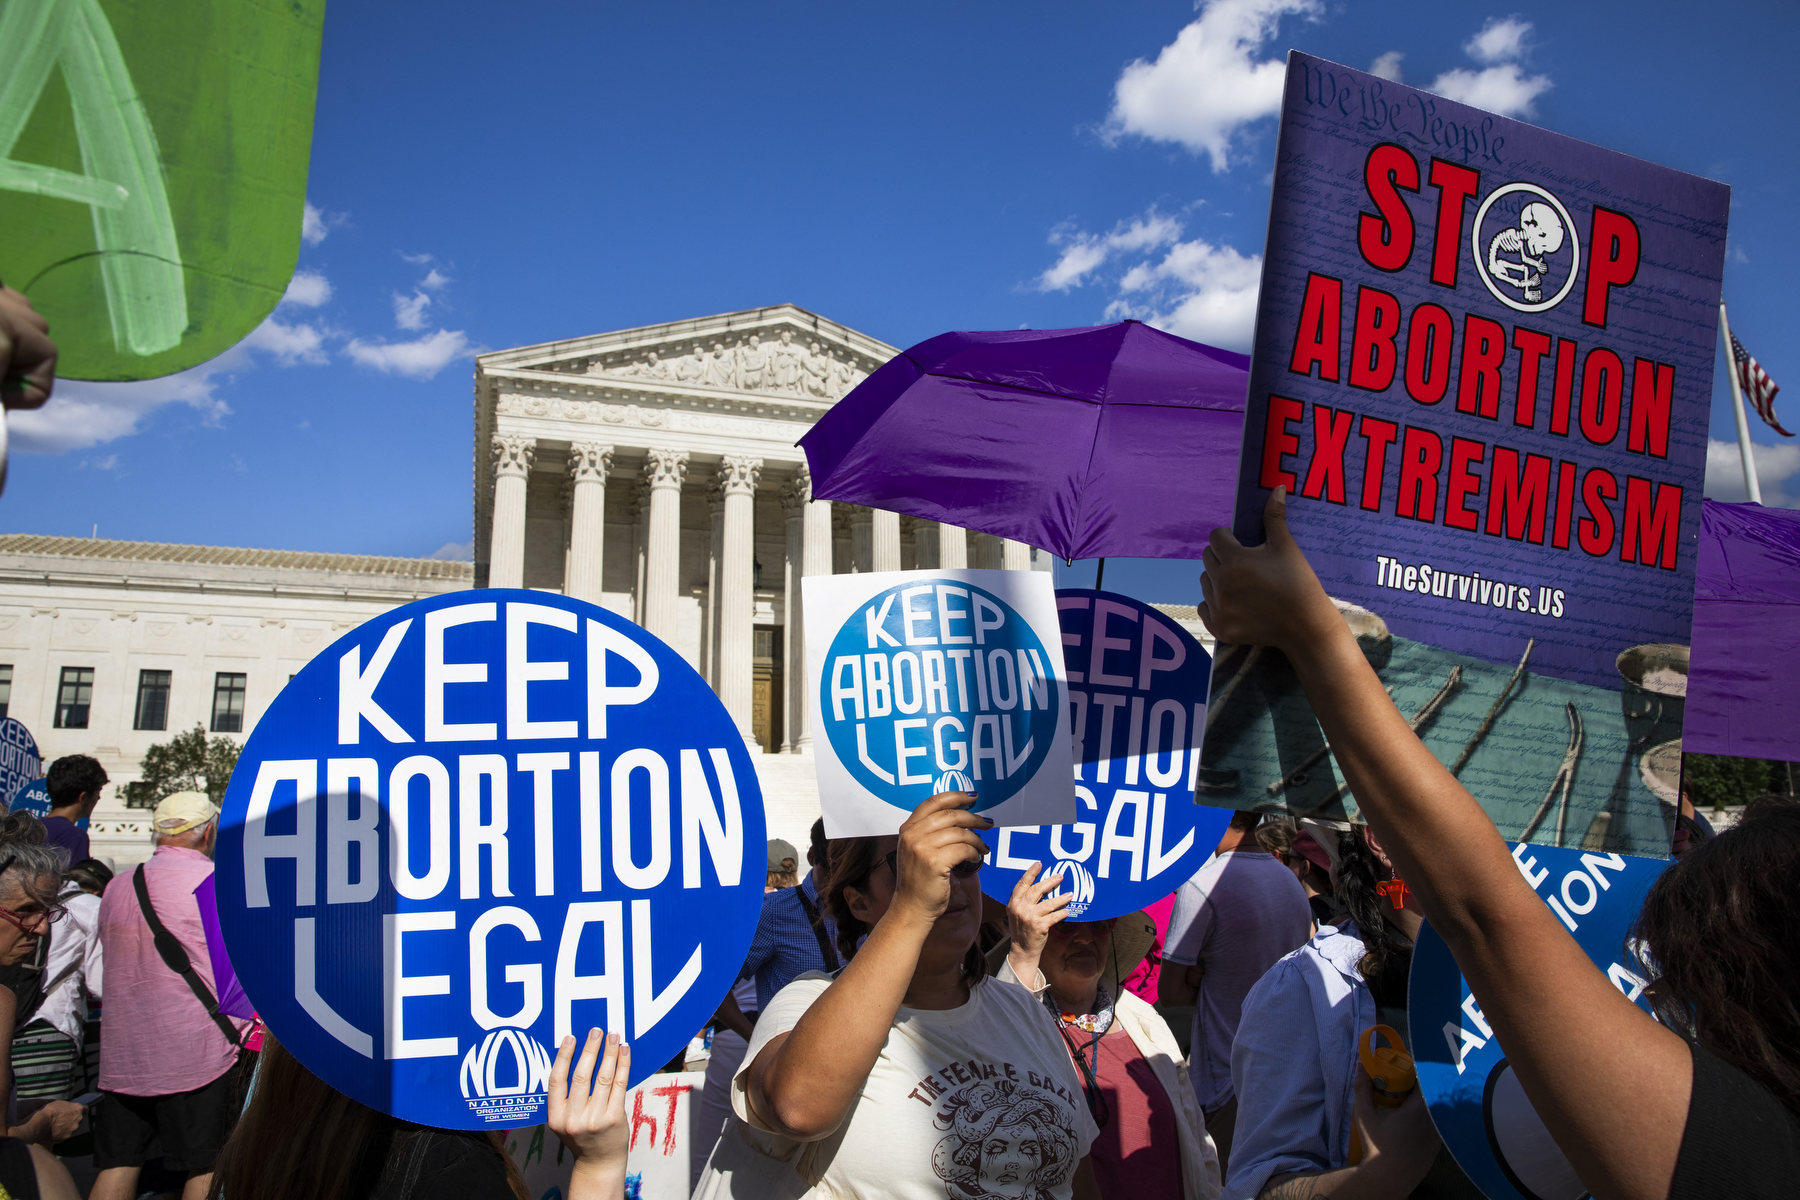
x: 818, y: 927
x: 175, y: 957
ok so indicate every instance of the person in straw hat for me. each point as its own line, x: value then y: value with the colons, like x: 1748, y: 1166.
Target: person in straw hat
x: 1153, y: 1139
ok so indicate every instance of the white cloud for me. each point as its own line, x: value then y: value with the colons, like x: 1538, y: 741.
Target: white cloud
x: 1505, y: 89
x: 288, y: 345
x: 1198, y: 290
x: 421, y: 358
x: 1209, y: 83
x: 316, y: 224
x: 1388, y: 66
x: 409, y: 311
x: 1776, y: 467
x: 1083, y: 253
x: 105, y: 462
x: 80, y: 414
x: 309, y: 289
x: 454, y: 552
x: 1502, y: 39
x: 1501, y: 86
x: 434, y: 280
x: 417, y: 260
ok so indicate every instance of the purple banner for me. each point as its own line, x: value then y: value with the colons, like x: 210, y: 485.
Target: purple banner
x: 1483, y: 368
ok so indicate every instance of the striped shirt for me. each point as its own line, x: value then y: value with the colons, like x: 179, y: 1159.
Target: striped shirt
x: 785, y: 946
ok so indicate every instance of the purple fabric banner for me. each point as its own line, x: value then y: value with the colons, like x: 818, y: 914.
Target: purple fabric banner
x: 1483, y: 367
x: 1746, y: 634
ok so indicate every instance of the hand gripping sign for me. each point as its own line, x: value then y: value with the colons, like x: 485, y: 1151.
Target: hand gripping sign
x: 932, y: 681
x: 1474, y: 1096
x: 1137, y: 702
x: 478, y: 823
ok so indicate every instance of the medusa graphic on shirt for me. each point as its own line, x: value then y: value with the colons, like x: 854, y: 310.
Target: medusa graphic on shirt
x: 1004, y: 1140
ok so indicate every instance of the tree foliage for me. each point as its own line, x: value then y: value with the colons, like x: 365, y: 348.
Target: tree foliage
x: 1718, y: 781
x: 187, y: 762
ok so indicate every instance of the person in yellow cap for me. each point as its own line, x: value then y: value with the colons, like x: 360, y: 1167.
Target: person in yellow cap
x: 167, y: 1063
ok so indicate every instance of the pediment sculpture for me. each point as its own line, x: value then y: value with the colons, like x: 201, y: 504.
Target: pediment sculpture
x: 755, y: 363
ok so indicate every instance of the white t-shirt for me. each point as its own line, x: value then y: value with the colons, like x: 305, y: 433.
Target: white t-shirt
x: 963, y: 1104
x: 73, y: 970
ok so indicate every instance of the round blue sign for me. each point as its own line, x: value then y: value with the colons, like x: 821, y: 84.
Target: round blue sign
x: 478, y: 823
x: 1475, y: 1099
x: 937, y: 685
x: 1137, y: 702
x: 20, y: 762
x: 34, y: 798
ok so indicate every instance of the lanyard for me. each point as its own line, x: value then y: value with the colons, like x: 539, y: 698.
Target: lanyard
x: 1087, y: 1058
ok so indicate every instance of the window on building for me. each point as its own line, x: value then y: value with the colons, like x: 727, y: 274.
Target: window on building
x: 5, y: 688
x: 152, y: 701
x: 74, y: 693
x: 228, y: 703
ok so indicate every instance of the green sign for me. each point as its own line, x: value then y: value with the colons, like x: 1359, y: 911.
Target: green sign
x: 153, y: 171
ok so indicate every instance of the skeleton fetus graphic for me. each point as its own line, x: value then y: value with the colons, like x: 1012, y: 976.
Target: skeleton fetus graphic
x: 1517, y: 256
x: 1003, y: 1140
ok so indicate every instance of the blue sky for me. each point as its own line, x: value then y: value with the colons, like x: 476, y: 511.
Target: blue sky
x: 483, y: 180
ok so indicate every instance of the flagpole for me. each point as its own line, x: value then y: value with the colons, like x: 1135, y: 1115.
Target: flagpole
x: 1737, y: 410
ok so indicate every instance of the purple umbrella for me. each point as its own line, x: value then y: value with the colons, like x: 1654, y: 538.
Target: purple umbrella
x: 1746, y: 640
x: 232, y: 1001
x: 1109, y: 440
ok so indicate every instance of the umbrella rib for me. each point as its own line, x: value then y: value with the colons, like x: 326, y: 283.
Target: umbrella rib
x: 1019, y: 387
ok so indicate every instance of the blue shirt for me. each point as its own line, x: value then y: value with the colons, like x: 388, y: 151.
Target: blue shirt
x: 1294, y: 1063
x: 785, y: 946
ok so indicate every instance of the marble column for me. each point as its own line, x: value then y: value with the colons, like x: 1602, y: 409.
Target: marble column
x: 640, y: 521
x: 794, y: 498
x: 589, y: 463
x: 952, y: 548
x: 737, y: 597
x: 1014, y: 556
x: 815, y: 559
x: 662, y: 559
x: 862, y: 540
x: 715, y: 503
x: 512, y: 457
x: 884, y: 542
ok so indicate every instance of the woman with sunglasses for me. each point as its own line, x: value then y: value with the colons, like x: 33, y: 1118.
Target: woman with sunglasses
x: 908, y: 1073
x: 29, y: 874
x: 1153, y: 1139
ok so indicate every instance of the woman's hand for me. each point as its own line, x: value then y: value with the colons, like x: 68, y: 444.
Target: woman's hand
x: 1399, y: 1144
x: 27, y: 355
x: 587, y: 1111
x: 1264, y: 595
x: 938, y: 835
x: 1035, y: 906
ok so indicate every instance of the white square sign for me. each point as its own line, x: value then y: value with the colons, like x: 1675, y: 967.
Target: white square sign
x: 932, y: 681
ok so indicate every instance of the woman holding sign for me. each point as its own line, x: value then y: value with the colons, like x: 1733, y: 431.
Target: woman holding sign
x: 1153, y: 1139
x: 909, y: 1073
x: 1611, y: 1083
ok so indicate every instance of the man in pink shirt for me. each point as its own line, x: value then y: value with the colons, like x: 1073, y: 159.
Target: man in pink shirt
x: 166, y: 1068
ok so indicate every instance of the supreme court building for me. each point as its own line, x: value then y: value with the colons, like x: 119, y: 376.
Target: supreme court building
x: 652, y: 471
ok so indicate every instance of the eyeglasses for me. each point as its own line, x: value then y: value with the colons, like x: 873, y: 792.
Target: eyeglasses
x: 37, y: 920
x: 961, y: 870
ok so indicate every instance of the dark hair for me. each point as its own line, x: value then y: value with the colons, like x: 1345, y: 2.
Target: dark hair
x: 90, y: 873
x: 1387, y: 954
x: 26, y: 855
x: 71, y: 777
x: 849, y: 863
x: 1244, y: 820
x: 1717, y: 934
x: 1276, y: 835
x: 820, y: 847
x: 299, y: 1138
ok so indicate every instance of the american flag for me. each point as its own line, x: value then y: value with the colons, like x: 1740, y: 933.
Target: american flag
x: 1757, y: 385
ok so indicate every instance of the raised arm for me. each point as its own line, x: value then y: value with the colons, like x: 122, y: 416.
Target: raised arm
x: 1577, y: 1044
x: 804, y: 1081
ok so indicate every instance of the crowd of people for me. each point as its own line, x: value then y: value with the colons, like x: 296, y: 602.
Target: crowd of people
x: 897, y: 1034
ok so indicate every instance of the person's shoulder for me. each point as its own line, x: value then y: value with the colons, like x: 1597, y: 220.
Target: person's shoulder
x: 1740, y: 1139
x: 444, y: 1166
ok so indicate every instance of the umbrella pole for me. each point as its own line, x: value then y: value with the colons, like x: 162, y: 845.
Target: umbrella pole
x: 1099, y: 574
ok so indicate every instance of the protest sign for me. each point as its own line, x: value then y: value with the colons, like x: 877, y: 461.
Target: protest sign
x: 476, y: 824
x: 1483, y: 371
x: 162, y: 176
x: 1474, y: 1097
x: 661, y: 1111
x: 20, y: 762
x: 932, y: 681
x: 34, y: 798
x: 1137, y: 704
